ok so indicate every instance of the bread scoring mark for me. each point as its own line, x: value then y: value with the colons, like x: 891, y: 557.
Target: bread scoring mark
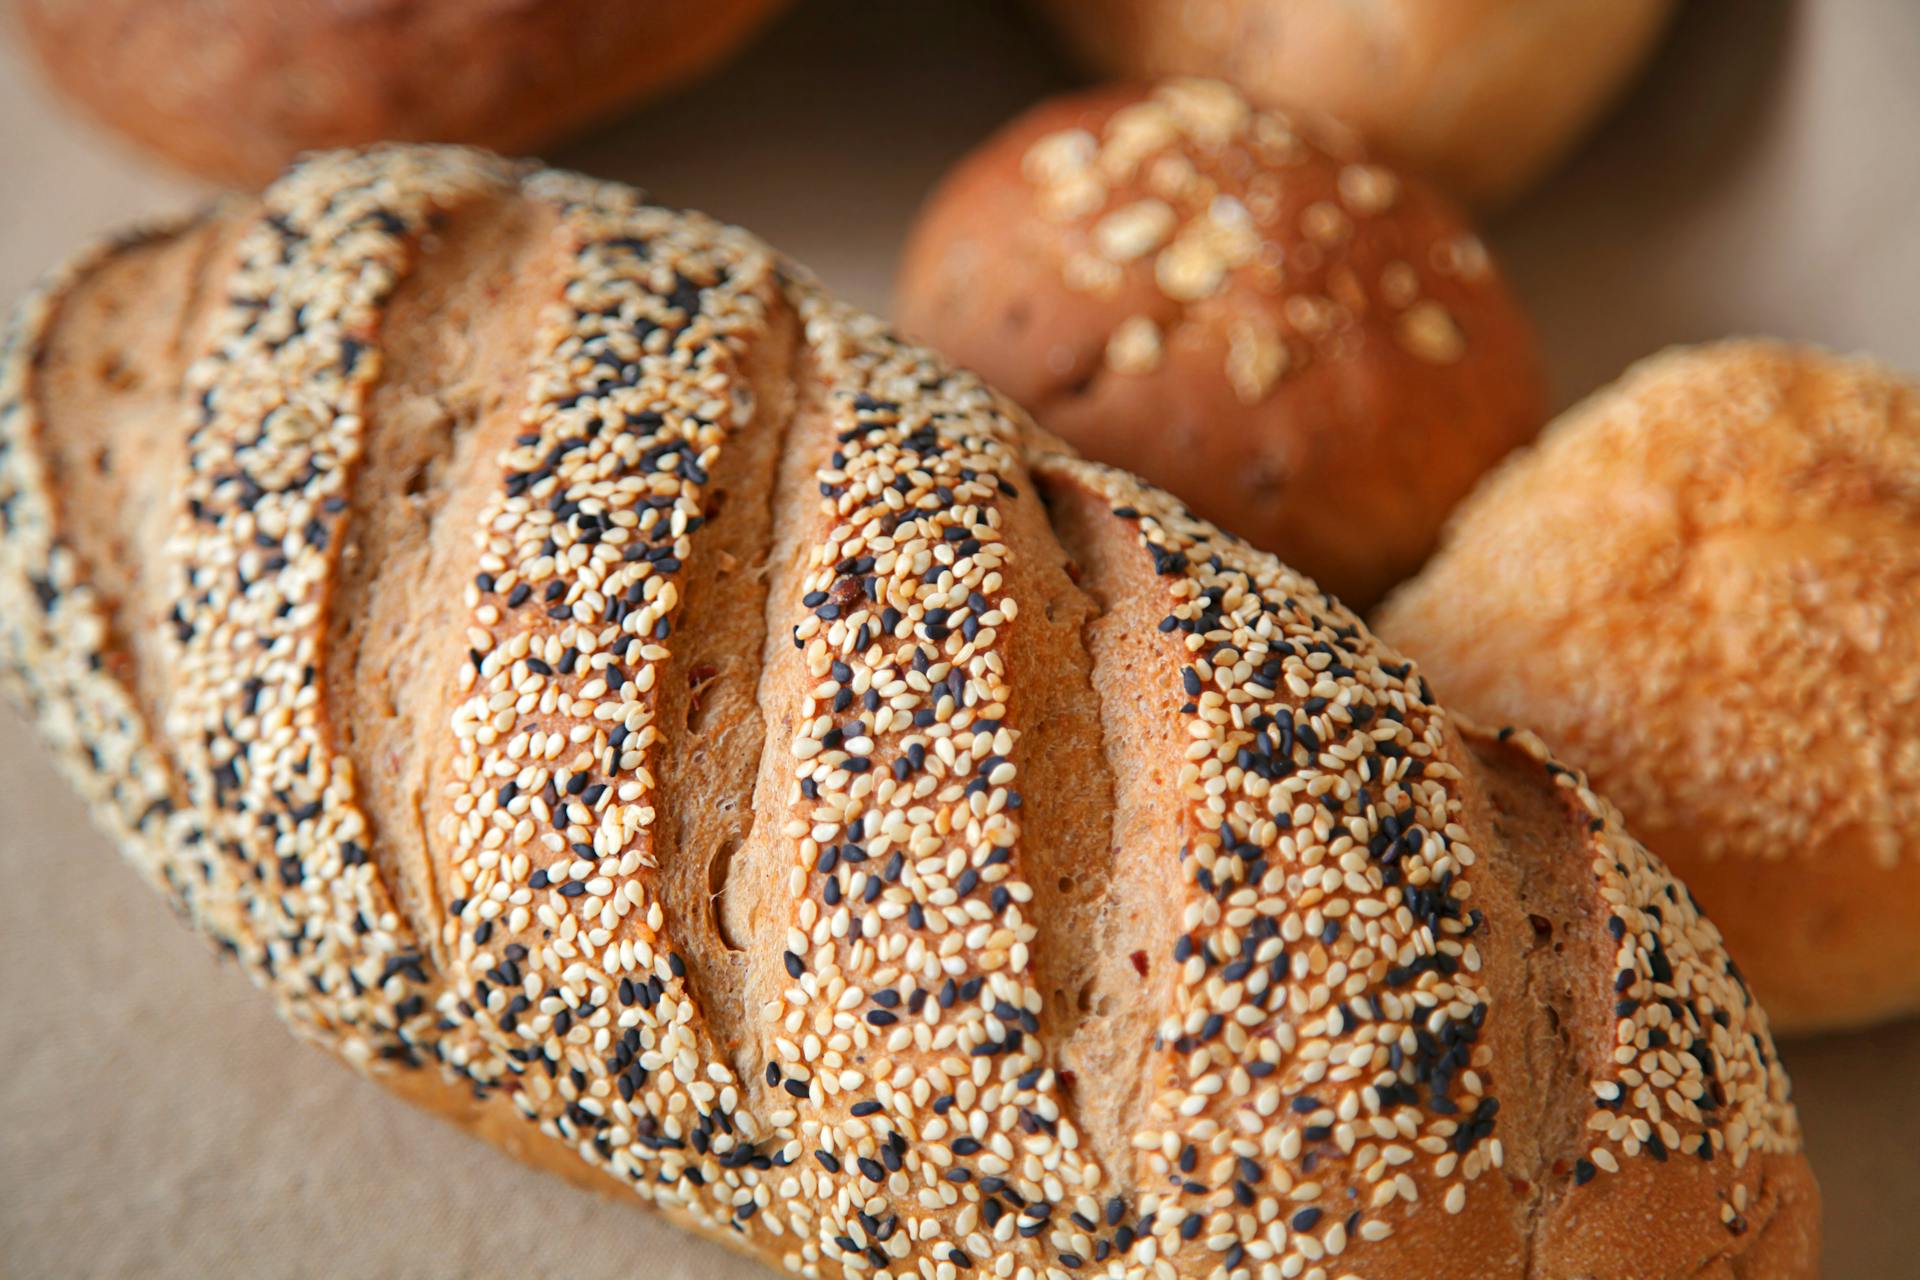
x: 1323, y: 1048
x: 1329, y: 1008
x: 905, y: 1042
x: 56, y: 634
x: 1694, y: 1071
x: 568, y: 980
x: 276, y: 434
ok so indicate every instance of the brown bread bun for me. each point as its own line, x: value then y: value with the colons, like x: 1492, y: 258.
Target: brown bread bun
x: 234, y: 89
x: 1704, y: 584
x: 1482, y: 96
x: 637, y: 706
x: 1313, y: 351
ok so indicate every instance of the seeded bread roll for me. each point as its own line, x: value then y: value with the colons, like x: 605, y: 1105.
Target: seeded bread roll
x: 638, y: 707
x: 1313, y: 351
x: 1705, y: 583
x: 1481, y: 96
x: 234, y: 89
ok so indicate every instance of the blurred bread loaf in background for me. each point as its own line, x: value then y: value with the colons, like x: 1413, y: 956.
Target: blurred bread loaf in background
x: 1483, y: 96
x: 234, y: 89
x: 1703, y: 585
x: 1312, y: 350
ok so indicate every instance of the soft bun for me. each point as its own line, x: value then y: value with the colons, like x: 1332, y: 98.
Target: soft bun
x: 1703, y: 584
x: 234, y: 89
x: 1313, y: 351
x: 1480, y: 95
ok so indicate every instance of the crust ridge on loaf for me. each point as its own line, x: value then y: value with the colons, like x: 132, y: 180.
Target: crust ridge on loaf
x: 620, y: 709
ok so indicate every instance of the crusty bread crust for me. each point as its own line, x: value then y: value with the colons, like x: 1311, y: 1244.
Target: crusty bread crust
x: 645, y: 711
x: 1240, y: 305
x: 235, y: 89
x: 1704, y: 585
x: 1481, y: 96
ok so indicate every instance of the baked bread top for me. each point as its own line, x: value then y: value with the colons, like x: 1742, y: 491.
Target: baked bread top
x: 1481, y: 96
x: 1239, y: 304
x: 573, y: 662
x: 1703, y: 584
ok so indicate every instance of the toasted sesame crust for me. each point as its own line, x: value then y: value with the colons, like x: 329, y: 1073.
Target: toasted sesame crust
x: 821, y: 1011
x: 56, y: 650
x: 1703, y: 584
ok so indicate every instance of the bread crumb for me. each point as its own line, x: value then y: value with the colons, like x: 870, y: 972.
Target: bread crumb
x: 1133, y: 134
x: 1059, y: 156
x: 1189, y: 269
x: 1089, y: 273
x: 1208, y: 111
x: 1324, y: 224
x: 1399, y: 284
x: 1256, y: 361
x: 1135, y: 230
x: 1173, y: 177
x: 1060, y: 166
x: 1463, y: 257
x: 1274, y: 138
x: 1368, y: 189
x: 1074, y: 197
x: 1134, y: 346
x: 1427, y: 331
x: 1309, y: 315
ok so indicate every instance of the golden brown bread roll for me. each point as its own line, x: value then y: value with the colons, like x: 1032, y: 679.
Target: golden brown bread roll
x: 1313, y: 351
x: 234, y: 89
x: 1482, y: 96
x: 586, y: 674
x: 1704, y: 583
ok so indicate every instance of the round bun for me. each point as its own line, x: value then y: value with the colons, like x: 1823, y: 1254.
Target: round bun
x: 234, y: 89
x: 1480, y: 95
x: 1704, y: 586
x: 1313, y: 351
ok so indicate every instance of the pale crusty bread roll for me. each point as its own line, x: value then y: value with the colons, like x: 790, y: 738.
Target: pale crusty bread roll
x: 1482, y: 96
x: 234, y: 89
x: 1704, y: 584
x: 1313, y: 350
x: 643, y: 710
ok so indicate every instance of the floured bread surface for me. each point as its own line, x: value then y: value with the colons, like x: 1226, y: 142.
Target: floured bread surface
x: 619, y: 696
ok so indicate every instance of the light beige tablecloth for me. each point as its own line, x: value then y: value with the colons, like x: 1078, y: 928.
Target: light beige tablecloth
x: 157, y: 1121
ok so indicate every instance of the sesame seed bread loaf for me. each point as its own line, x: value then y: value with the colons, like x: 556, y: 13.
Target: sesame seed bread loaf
x: 1705, y: 583
x: 640, y: 708
x: 1236, y: 304
x: 234, y: 89
x: 1481, y: 96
